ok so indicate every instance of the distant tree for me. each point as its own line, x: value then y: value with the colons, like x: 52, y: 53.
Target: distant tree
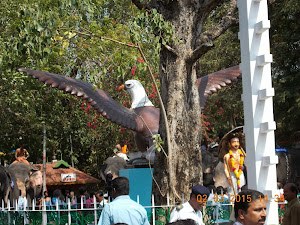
x: 285, y: 33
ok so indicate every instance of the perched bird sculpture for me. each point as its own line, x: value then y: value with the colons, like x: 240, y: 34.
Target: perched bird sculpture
x: 143, y: 117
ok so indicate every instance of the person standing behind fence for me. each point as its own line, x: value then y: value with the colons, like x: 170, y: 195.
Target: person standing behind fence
x: 100, y: 199
x: 73, y: 200
x: 191, y: 209
x: 57, y: 199
x: 83, y: 194
x: 47, y: 200
x: 292, y: 213
x: 90, y: 200
x: 122, y: 209
x: 250, y: 208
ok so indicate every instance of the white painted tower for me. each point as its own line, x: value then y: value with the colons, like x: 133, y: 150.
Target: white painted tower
x: 258, y: 105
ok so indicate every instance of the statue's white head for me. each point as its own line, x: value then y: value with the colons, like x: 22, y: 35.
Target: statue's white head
x: 137, y: 93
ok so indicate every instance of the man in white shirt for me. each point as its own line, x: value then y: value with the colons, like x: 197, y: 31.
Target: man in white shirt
x: 191, y: 209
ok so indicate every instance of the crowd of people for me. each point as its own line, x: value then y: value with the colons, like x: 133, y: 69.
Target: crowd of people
x: 250, y: 207
x: 83, y: 200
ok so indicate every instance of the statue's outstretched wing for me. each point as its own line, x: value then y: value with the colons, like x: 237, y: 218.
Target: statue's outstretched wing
x: 213, y: 82
x: 97, y: 98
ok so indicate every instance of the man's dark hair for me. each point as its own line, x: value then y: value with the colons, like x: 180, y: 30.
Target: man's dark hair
x: 293, y: 188
x: 220, y: 190
x: 121, y: 185
x: 243, y: 201
x: 23, y: 146
x: 183, y: 222
x: 82, y: 190
x: 57, y: 193
x: 100, y: 193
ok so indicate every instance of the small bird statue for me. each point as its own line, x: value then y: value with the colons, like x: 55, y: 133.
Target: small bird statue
x: 143, y: 117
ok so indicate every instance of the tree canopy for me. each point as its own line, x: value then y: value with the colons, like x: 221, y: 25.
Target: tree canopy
x: 63, y: 37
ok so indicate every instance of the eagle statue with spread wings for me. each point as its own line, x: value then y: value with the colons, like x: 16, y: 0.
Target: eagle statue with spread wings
x: 142, y: 118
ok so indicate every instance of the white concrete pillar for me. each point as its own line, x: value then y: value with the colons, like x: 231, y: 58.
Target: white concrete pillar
x: 258, y: 105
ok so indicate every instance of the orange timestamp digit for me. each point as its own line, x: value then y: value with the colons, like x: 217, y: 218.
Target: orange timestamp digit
x: 201, y: 198
x: 218, y: 198
x: 263, y: 198
x: 279, y: 198
x: 240, y: 198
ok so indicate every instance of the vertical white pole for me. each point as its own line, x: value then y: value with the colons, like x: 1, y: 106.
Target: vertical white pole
x: 69, y: 210
x: 8, y: 211
x: 168, y: 199
x: 24, y: 211
x: 95, y: 209
x: 153, y: 210
x: 257, y: 97
x: 81, y: 203
x: 57, y: 209
x: 44, y: 213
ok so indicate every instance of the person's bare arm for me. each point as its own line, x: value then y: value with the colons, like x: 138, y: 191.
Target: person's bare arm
x: 227, y: 169
x: 17, y: 154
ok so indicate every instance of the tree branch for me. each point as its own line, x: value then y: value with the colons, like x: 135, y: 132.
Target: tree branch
x: 91, y: 34
x: 170, y: 49
x: 205, y: 42
x: 227, y: 21
x: 10, y: 111
x: 140, y: 5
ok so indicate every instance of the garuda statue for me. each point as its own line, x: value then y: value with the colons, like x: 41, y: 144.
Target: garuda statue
x: 142, y: 118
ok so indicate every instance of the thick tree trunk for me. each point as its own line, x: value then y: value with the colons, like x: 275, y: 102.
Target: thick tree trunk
x: 182, y: 169
x: 181, y: 100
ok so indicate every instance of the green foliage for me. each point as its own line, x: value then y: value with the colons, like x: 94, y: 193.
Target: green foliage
x: 158, y: 142
x: 224, y: 110
x: 56, y: 36
x: 39, y: 34
x: 285, y: 46
x: 153, y: 23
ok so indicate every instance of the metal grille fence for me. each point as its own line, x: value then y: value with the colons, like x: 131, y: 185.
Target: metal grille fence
x: 81, y: 215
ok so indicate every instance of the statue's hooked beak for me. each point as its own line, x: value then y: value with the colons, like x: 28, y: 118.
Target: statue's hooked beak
x: 121, y: 87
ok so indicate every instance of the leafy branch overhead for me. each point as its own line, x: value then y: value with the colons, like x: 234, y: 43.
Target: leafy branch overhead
x: 177, y: 38
x: 203, y: 40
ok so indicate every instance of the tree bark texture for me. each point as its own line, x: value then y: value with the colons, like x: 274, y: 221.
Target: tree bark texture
x: 182, y: 169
